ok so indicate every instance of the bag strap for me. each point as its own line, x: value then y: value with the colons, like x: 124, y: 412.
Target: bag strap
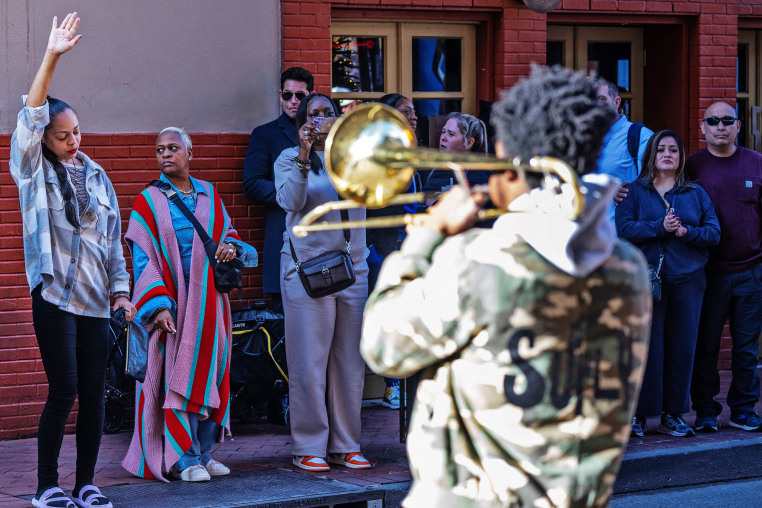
x: 344, y: 218
x: 210, y: 246
x: 633, y: 142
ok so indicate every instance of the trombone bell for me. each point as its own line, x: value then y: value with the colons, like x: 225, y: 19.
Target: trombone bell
x: 370, y: 158
x: 352, y: 159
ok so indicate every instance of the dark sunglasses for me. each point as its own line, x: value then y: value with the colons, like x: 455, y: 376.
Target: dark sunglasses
x: 299, y: 95
x: 714, y: 121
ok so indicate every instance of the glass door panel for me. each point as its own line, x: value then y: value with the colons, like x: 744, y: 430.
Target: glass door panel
x: 364, y: 60
x: 439, y: 76
x: 615, y: 54
x: 747, y: 93
x: 560, y: 46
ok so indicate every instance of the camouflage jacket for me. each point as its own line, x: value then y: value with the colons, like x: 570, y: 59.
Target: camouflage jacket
x: 531, y: 374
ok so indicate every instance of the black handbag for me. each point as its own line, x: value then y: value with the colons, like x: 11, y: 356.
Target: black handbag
x: 329, y: 272
x: 228, y: 275
x: 136, y: 347
x: 654, y: 279
x: 654, y: 271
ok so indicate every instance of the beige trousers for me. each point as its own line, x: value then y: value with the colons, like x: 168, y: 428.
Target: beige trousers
x: 326, y: 371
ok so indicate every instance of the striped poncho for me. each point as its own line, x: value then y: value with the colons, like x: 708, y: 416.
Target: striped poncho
x: 187, y: 371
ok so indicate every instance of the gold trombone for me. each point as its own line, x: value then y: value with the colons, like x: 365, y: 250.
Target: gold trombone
x: 371, y: 157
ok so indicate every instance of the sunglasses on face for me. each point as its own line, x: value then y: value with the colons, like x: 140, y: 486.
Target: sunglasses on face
x: 287, y: 95
x: 714, y: 121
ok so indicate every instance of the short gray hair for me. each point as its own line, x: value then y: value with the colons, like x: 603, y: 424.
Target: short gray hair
x: 184, y: 135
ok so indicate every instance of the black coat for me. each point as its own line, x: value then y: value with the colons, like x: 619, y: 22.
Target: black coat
x: 265, y: 145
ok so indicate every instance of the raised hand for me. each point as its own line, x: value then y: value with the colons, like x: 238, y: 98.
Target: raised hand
x: 63, y: 38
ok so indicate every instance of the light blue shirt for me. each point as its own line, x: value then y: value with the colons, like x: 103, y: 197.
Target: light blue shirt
x: 615, y: 158
x: 185, y: 231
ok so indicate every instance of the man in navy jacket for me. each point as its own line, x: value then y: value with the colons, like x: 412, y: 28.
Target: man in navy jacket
x: 265, y: 145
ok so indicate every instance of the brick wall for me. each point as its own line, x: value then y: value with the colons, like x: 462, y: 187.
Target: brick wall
x: 130, y: 163
x: 519, y: 36
x: 519, y: 39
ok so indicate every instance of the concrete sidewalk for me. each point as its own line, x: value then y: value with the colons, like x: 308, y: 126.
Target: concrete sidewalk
x: 260, y: 457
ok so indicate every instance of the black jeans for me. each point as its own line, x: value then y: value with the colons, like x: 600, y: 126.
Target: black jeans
x: 74, y: 350
x: 736, y: 297
x: 674, y: 331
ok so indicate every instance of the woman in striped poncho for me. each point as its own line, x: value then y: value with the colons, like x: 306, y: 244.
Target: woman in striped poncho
x: 182, y: 406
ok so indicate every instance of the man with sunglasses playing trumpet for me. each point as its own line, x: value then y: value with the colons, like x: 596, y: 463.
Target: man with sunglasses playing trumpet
x: 265, y: 145
x: 532, y: 335
x: 732, y: 176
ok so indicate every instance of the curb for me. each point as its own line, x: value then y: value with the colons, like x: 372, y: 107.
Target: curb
x: 688, y: 465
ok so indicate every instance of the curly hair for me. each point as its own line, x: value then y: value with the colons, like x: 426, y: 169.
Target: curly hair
x: 554, y: 112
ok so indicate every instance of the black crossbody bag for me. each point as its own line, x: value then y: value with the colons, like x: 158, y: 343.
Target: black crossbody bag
x: 228, y: 275
x: 329, y: 272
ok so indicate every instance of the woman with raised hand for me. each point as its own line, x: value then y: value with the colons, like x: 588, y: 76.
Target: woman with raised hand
x: 74, y: 265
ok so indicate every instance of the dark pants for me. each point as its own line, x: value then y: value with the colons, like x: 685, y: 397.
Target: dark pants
x: 276, y: 302
x: 667, y: 379
x: 74, y: 350
x: 736, y: 297
x: 375, y: 260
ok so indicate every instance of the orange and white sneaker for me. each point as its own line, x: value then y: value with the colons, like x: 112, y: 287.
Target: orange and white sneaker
x: 353, y: 460
x: 311, y: 463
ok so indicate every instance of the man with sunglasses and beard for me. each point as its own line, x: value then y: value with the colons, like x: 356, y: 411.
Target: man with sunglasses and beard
x: 265, y: 145
x: 732, y: 176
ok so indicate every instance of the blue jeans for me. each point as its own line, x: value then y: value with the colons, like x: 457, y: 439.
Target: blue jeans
x: 736, y: 297
x: 203, y: 435
x: 667, y: 379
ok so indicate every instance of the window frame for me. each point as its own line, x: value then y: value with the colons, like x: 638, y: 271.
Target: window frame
x: 398, y: 72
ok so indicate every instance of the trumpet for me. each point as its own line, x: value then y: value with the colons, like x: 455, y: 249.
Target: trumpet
x: 371, y: 158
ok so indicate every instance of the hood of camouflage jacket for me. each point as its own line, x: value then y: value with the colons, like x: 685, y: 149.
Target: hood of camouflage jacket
x: 577, y: 246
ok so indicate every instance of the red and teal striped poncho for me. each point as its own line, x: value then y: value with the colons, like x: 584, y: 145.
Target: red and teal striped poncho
x: 187, y: 371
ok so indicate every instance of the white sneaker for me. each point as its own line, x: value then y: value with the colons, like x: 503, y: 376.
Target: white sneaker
x: 194, y: 473
x: 215, y: 468
x: 391, y: 397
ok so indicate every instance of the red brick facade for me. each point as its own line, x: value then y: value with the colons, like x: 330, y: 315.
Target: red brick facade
x: 704, y: 32
x: 130, y: 163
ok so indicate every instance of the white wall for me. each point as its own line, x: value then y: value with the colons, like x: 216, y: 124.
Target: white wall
x: 142, y: 65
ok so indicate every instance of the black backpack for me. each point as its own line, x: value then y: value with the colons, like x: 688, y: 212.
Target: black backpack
x: 258, y: 371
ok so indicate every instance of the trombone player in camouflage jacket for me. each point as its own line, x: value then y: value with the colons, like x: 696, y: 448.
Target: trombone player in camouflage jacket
x: 532, y: 334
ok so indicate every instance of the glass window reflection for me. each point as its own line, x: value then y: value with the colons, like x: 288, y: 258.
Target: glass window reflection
x: 358, y: 64
x: 436, y: 64
x: 554, y: 53
x: 429, y: 107
x: 742, y: 80
x: 612, y: 61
